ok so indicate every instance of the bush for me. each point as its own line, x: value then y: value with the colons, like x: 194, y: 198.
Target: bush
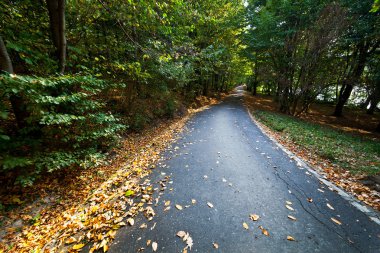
x: 67, y: 125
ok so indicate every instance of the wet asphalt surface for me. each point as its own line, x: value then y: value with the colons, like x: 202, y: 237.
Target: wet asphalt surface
x: 223, y: 158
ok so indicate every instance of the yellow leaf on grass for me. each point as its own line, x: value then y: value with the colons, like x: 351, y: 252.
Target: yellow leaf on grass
x: 78, y: 246
x: 245, y: 225
x: 336, y: 221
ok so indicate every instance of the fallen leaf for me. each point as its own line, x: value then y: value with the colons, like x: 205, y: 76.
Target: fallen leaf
x: 290, y: 238
x: 131, y: 221
x: 254, y: 217
x: 289, y: 207
x: 216, y: 246
x: 143, y: 226
x: 167, y: 208
x: 264, y: 231
x: 224, y: 180
x: 154, y: 246
x: 245, y: 225
x: 292, y: 217
x: 330, y: 206
x: 193, y: 201
x: 179, y: 207
x: 210, y: 205
x: 148, y: 242
x: 78, y: 246
x: 181, y: 234
x: 336, y: 221
x: 288, y: 202
x: 129, y: 193
x: 189, y: 242
x: 167, y: 203
x: 310, y: 200
x: 70, y: 240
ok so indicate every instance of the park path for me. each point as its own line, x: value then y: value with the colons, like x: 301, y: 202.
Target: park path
x: 231, y: 169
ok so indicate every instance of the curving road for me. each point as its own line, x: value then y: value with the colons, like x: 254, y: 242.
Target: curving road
x: 223, y: 158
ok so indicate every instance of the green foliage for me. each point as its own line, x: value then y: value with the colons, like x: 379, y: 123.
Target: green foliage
x: 67, y: 125
x: 351, y: 152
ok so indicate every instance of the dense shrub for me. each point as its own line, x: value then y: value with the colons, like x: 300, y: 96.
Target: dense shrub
x: 67, y: 125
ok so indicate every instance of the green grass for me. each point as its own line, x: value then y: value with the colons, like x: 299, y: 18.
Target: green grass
x: 356, y: 154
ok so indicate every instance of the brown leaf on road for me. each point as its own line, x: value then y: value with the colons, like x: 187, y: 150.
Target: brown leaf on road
x: 131, y: 221
x: 181, y: 234
x: 310, y: 200
x: 254, y: 217
x: 264, y: 231
x: 330, y: 206
x: 336, y: 221
x: 289, y: 207
x: 290, y: 238
x: 154, y: 246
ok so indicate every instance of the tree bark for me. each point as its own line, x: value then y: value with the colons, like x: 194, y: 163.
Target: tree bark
x: 17, y: 102
x: 345, y: 93
x: 56, y: 9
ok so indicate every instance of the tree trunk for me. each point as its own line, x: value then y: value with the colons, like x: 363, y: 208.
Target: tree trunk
x: 17, y: 102
x: 372, y: 107
x: 254, y: 88
x: 378, y: 128
x: 56, y: 9
x: 345, y: 93
x: 353, y: 78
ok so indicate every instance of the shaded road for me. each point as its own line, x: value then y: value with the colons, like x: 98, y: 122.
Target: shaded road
x: 223, y: 158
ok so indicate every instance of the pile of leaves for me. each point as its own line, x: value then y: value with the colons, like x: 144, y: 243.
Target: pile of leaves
x: 91, y: 205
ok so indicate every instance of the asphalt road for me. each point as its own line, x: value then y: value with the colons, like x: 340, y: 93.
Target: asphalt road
x: 223, y: 158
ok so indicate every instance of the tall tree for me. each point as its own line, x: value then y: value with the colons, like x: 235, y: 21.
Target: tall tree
x: 56, y: 10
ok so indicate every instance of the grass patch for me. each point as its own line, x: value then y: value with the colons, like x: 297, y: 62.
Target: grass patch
x: 356, y: 154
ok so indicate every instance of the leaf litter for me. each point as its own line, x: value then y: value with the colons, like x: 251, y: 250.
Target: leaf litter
x: 91, y: 203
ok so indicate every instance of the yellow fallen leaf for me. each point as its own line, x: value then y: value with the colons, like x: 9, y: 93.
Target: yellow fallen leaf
x: 105, y: 248
x: 290, y: 238
x: 292, y: 217
x: 143, y: 226
x: 289, y: 207
x: 245, y: 225
x: 179, y: 207
x: 154, y: 246
x: 167, y: 203
x: 336, y: 221
x: 78, y: 246
x: 70, y: 240
x: 254, y: 217
x: 148, y: 242
x: 193, y: 201
x: 131, y: 221
x: 216, y: 246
